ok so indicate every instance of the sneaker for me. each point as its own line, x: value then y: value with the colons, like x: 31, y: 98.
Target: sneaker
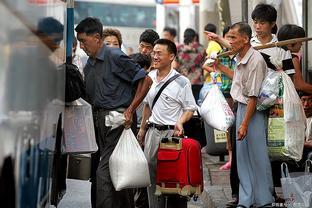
x: 226, y: 166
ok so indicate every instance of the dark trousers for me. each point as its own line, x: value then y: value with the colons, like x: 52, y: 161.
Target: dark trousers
x: 234, y: 180
x: 107, y: 139
x: 172, y: 201
x: 141, y: 198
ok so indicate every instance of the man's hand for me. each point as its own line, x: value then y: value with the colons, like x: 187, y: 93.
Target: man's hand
x: 308, y: 144
x: 141, y: 136
x: 178, y: 129
x: 242, y: 132
x: 211, y: 35
x: 128, y: 118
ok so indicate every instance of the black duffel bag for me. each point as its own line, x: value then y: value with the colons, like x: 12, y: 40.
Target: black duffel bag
x: 74, y: 85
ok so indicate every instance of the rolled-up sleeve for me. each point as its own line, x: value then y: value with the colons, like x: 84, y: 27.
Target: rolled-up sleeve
x: 126, y: 68
x: 139, y: 75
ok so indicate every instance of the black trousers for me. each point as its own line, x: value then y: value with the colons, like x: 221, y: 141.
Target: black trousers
x: 234, y: 180
x: 103, y: 194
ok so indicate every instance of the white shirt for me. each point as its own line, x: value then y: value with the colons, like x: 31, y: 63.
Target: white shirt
x: 176, y: 98
x: 275, y: 52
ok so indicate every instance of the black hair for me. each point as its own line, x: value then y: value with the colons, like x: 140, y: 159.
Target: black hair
x: 90, y: 25
x: 49, y: 26
x: 171, y: 30
x: 142, y: 59
x: 171, y: 46
x: 301, y: 94
x: 264, y: 12
x: 210, y: 28
x: 149, y: 36
x: 290, y: 31
x: 189, y: 35
x: 274, y: 29
x: 226, y: 29
x: 243, y: 28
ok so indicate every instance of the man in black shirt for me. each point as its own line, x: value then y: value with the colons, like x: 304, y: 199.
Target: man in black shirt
x: 111, y: 78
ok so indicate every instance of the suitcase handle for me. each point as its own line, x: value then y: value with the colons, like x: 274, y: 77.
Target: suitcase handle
x: 171, y: 140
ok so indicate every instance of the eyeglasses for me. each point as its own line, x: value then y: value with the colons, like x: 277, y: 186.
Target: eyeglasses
x: 156, y: 53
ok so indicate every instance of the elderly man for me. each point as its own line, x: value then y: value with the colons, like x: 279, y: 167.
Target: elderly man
x: 111, y: 78
x: 253, y: 164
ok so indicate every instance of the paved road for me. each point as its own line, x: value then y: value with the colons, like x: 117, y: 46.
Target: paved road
x: 78, y: 196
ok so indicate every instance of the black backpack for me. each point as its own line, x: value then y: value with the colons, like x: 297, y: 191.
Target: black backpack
x: 74, y: 85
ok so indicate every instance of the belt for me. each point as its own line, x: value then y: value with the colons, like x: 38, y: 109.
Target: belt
x: 99, y: 109
x: 160, y: 127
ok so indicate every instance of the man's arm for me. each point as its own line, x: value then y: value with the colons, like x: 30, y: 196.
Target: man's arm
x: 308, y: 144
x: 145, y: 115
x: 299, y: 83
x: 251, y: 107
x: 225, y: 70
x: 222, y: 41
x: 178, y: 128
x: 141, y: 91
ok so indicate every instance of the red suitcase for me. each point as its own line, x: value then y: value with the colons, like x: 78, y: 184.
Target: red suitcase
x: 179, y: 167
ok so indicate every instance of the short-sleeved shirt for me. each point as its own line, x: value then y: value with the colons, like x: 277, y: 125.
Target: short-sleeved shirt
x: 288, y: 66
x: 110, y: 77
x: 191, y: 58
x: 248, y: 76
x: 226, y: 82
x: 213, y: 47
x: 176, y: 98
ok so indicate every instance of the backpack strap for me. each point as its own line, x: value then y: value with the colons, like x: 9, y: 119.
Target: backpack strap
x: 162, y: 88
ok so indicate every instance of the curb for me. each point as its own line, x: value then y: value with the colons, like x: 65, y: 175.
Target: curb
x: 213, y: 196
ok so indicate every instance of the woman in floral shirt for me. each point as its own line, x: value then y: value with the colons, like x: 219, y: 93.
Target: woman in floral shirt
x: 190, y: 58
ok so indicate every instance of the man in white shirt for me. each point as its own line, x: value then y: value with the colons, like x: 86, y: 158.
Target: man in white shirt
x: 264, y: 22
x: 173, y: 108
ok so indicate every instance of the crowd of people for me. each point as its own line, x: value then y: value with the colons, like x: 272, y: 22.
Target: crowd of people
x: 128, y: 84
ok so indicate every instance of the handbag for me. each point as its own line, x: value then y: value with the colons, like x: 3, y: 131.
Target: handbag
x: 297, y: 186
x: 79, y: 134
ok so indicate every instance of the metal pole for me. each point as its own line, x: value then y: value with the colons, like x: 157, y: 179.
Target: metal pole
x: 245, y: 11
x: 305, y: 45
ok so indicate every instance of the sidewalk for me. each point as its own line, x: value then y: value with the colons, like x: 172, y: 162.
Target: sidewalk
x: 217, y: 190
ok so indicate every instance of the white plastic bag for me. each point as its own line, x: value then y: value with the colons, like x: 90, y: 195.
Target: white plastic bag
x: 127, y: 165
x: 286, y: 129
x: 216, y: 111
x: 297, y: 186
x: 269, y: 90
x: 79, y: 134
x: 295, y: 120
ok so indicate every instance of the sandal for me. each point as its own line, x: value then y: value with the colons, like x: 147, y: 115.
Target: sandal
x: 232, y: 203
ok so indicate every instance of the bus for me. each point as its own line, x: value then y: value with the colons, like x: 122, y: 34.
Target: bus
x: 32, y: 91
x: 131, y: 17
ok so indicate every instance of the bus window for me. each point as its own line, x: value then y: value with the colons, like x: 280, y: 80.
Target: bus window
x: 117, y: 15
